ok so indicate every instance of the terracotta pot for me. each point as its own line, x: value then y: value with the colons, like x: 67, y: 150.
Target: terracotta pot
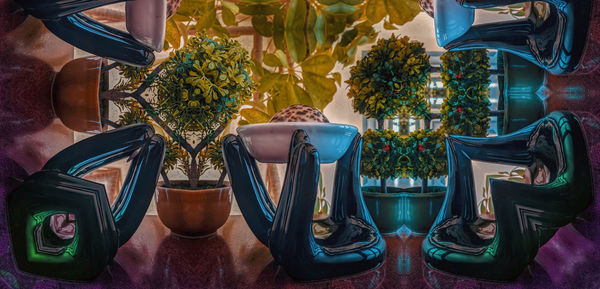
x: 75, y: 94
x: 193, y: 213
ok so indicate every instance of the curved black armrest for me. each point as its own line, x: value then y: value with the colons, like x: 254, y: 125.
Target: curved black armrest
x: 136, y: 141
x: 49, y: 9
x: 102, y: 40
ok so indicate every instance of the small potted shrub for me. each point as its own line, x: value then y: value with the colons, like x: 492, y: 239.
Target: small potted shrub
x: 197, y: 92
x: 388, y: 81
x: 425, y: 159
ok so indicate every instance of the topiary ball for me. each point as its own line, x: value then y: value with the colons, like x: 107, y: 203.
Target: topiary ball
x: 390, y: 79
x: 203, y: 85
x: 382, y: 154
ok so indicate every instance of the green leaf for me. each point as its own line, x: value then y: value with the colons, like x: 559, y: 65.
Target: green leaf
x: 302, y: 96
x: 259, y: 1
x: 271, y: 60
x: 282, y: 57
x: 257, y: 9
x: 228, y: 16
x: 231, y: 6
x: 340, y: 9
x: 278, y: 29
x: 320, y: 64
x: 269, y: 80
x: 376, y: 10
x: 320, y: 88
x: 402, y: 11
x: 172, y: 34
x: 262, y: 25
x: 338, y: 77
x: 254, y: 115
x: 321, y: 29
x: 294, y: 34
x: 389, y: 26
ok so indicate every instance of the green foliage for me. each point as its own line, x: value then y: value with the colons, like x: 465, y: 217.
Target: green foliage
x: 203, y: 85
x: 299, y: 33
x: 466, y: 76
x: 426, y: 154
x: 391, y: 79
x: 214, y: 154
x: 382, y: 154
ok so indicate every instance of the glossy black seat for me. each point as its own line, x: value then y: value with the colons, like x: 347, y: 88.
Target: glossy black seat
x: 527, y: 215
x: 345, y: 243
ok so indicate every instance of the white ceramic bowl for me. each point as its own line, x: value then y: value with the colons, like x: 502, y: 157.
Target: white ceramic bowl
x: 270, y: 142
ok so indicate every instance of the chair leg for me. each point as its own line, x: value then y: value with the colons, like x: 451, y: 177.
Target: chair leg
x: 291, y: 241
x: 249, y: 190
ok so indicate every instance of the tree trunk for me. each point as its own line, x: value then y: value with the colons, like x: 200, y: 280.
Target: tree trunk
x: 165, y: 178
x: 424, y: 185
x: 194, y: 173
x: 382, y: 180
x: 383, y: 184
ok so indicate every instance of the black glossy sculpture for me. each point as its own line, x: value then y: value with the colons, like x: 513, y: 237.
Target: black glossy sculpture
x: 66, y: 20
x: 554, y: 41
x: 527, y: 215
x: 99, y: 39
x: 350, y: 243
x: 62, y: 226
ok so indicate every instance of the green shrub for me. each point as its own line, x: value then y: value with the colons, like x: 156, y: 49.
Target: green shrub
x: 381, y: 154
x: 390, y: 79
x: 465, y: 110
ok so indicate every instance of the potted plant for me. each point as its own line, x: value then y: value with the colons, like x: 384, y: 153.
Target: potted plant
x: 196, y: 93
x: 388, y: 81
x: 426, y: 159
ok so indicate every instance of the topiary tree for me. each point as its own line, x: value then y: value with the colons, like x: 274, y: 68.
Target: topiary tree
x: 426, y: 155
x: 466, y: 109
x: 389, y: 80
x: 196, y: 93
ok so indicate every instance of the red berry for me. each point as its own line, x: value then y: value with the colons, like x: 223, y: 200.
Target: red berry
x: 459, y: 75
x: 386, y: 148
x: 421, y: 148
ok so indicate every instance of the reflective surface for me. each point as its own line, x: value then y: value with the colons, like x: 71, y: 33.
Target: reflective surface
x: 554, y: 41
x: 527, y: 215
x: 346, y: 243
x: 62, y: 226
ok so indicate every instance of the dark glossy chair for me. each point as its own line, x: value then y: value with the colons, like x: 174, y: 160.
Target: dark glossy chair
x: 555, y: 41
x: 348, y: 241
x: 527, y: 215
x: 66, y: 20
x: 63, y: 226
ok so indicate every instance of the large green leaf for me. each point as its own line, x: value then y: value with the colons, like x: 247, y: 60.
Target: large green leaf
x: 376, y: 10
x: 295, y: 37
x: 271, y: 60
x: 320, y: 88
x: 269, y: 80
x: 259, y: 1
x: 253, y: 115
x: 279, y: 29
x: 257, y: 9
x: 320, y: 64
x: 173, y: 34
x: 228, y: 16
x: 402, y: 11
x: 262, y: 25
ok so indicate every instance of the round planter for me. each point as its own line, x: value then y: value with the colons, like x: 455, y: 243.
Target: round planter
x: 193, y: 213
x: 75, y: 94
x: 404, y: 206
x: 522, y: 105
